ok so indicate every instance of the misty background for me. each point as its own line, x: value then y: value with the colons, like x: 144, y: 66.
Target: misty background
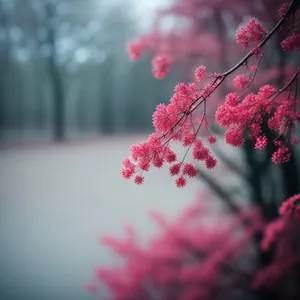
x: 71, y: 104
x: 66, y: 73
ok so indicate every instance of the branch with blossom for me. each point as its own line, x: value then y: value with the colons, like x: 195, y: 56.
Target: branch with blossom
x: 242, y: 113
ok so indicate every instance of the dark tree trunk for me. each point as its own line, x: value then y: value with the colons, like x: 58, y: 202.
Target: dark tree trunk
x: 106, y: 109
x: 59, y: 105
x: 55, y: 77
x: 4, y: 64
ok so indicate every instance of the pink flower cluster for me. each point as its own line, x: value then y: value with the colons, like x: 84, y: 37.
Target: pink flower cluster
x: 283, y: 9
x: 135, y: 50
x: 200, y: 73
x: 271, y: 233
x: 291, y: 207
x: 280, y: 239
x: 241, y: 81
x: 161, y: 65
x: 250, y: 34
x: 190, y: 258
x: 261, y: 142
x: 204, y: 253
x: 248, y: 114
x: 292, y: 42
x: 175, y: 121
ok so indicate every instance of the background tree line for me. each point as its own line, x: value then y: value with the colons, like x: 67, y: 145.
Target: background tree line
x: 65, y: 71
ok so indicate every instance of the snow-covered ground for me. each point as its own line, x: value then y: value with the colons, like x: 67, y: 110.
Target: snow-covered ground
x: 55, y: 201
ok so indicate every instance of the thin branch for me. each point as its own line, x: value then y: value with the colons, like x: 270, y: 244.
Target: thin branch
x: 293, y: 6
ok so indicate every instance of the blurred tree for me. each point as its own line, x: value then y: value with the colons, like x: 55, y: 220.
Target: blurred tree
x: 5, y: 48
x: 51, y: 24
x: 106, y: 125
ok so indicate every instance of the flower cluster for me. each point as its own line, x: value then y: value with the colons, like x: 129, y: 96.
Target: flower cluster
x: 193, y: 257
x: 292, y: 42
x: 240, y: 81
x: 188, y: 253
x: 200, y: 73
x: 283, y: 9
x: 261, y: 142
x: 248, y: 114
x: 161, y: 65
x: 280, y: 239
x: 291, y: 207
x: 175, y: 121
x: 250, y: 34
x: 271, y: 233
x: 134, y: 50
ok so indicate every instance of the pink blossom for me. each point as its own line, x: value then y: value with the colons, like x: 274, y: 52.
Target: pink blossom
x: 210, y: 162
x: 283, y: 9
x: 272, y: 230
x: 134, y: 50
x: 139, y: 179
x: 175, y: 169
x: 161, y: 65
x: 200, y: 73
x: 200, y: 153
x: 234, y: 136
x: 186, y: 253
x: 211, y: 140
x: 251, y: 33
x: 291, y: 42
x: 232, y: 99
x: 190, y: 170
x: 180, y: 182
x: 240, y: 81
x: 261, y: 142
x: 282, y: 155
x: 291, y: 207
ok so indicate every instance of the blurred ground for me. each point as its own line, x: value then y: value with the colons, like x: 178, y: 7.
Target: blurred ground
x: 55, y: 202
